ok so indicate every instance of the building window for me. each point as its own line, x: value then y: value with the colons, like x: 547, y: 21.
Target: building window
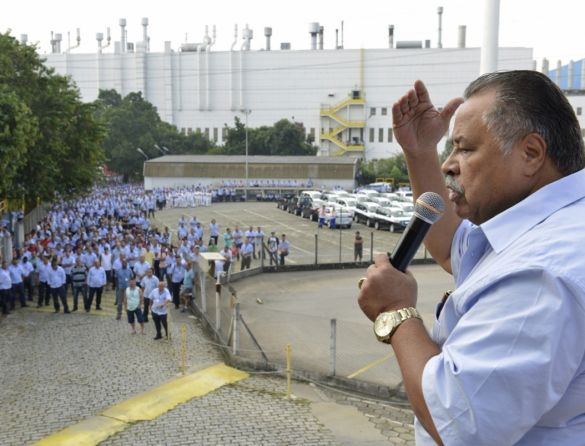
x: 224, y: 132
x: 384, y: 111
x: 372, y: 111
x: 380, y: 135
x: 183, y: 130
x: 579, y: 111
x: 189, y: 130
x: 372, y: 135
x: 312, y: 132
x: 198, y: 130
x: 215, y: 133
x: 390, y: 135
x: 207, y: 132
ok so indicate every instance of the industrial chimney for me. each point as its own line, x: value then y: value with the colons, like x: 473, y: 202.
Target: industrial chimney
x: 314, y: 31
x: 440, y: 13
x: 123, y: 44
x: 145, y: 38
x: 267, y: 34
x: 461, y: 40
x: 390, y: 36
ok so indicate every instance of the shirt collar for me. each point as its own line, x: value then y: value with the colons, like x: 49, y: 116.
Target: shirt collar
x: 508, y: 226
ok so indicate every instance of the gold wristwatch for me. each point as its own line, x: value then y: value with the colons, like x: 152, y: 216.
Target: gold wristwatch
x: 386, y: 323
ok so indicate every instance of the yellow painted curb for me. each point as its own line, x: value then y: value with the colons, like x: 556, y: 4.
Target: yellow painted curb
x: 155, y: 402
x: 88, y: 432
x: 147, y: 406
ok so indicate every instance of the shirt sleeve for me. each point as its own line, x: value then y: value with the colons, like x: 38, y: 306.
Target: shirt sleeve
x: 509, y: 359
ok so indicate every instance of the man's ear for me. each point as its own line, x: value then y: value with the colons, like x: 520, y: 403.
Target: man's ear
x: 534, y: 151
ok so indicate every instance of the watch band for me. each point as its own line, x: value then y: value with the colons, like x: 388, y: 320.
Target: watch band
x: 393, y: 319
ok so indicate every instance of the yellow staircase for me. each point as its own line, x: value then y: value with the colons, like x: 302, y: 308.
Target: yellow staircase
x: 332, y: 135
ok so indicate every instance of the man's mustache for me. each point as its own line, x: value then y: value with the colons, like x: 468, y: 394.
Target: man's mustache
x: 452, y: 184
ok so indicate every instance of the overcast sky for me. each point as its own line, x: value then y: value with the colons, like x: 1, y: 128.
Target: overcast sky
x: 554, y: 29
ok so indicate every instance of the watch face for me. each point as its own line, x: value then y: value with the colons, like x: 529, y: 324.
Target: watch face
x: 385, y: 323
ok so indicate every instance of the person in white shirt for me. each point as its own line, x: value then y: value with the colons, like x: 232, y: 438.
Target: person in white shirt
x: 283, y: 248
x: 213, y: 232
x: 140, y: 268
x: 43, y: 269
x: 15, y: 270
x: 148, y: 283
x: 159, y: 300
x: 133, y: 300
x: 246, y: 253
x: 96, y: 280
x: 5, y: 288
x: 56, y: 283
x: 273, y: 248
x: 27, y: 276
x: 251, y: 236
x: 106, y: 261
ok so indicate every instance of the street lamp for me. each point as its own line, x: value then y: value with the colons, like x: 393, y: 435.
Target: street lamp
x: 163, y: 150
x: 139, y: 150
x: 246, y: 111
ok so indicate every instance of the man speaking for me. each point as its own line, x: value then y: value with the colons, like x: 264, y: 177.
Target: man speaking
x: 505, y: 364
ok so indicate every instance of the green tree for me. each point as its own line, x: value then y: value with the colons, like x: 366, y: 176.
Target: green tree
x: 18, y: 131
x: 61, y: 151
x: 393, y: 167
x: 133, y: 123
x: 284, y: 138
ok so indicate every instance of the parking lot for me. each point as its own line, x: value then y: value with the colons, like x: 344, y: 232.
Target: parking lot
x: 308, y: 243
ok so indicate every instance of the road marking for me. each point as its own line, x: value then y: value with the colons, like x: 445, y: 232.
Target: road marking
x: 146, y: 406
x: 371, y: 365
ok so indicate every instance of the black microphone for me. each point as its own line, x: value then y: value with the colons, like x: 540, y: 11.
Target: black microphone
x: 428, y: 209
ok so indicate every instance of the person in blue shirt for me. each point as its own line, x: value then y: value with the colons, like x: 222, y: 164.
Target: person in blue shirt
x: 123, y: 276
x: 505, y: 363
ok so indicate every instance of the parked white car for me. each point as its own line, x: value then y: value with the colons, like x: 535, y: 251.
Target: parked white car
x: 343, y: 216
x: 391, y: 219
x: 366, y: 213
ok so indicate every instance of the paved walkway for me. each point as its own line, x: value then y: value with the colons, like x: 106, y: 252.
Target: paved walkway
x: 60, y: 369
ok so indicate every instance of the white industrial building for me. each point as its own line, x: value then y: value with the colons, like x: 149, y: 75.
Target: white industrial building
x: 343, y: 97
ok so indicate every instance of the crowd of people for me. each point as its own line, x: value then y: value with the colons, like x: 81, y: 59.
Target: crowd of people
x: 108, y: 240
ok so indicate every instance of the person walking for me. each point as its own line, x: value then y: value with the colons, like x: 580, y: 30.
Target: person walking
x: 322, y: 214
x: 187, y: 289
x: 133, y: 301
x: 148, y: 283
x: 159, y: 301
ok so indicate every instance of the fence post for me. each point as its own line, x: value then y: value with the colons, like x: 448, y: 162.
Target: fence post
x: 235, y: 335
x: 183, y: 349
x: 203, y: 292
x: 316, y: 248
x: 262, y: 253
x: 217, y: 304
x: 340, y: 243
x: 288, y: 371
x: 371, y: 246
x: 333, y: 347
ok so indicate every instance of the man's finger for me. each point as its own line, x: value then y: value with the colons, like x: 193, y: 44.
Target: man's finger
x: 381, y: 260
x: 421, y: 91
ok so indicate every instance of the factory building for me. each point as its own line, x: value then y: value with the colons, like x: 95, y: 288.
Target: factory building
x: 343, y: 97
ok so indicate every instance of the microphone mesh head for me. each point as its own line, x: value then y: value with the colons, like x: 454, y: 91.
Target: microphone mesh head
x: 429, y: 207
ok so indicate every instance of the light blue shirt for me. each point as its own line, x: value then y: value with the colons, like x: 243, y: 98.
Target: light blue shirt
x: 512, y: 366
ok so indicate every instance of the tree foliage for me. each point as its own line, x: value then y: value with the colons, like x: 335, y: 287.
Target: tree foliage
x: 133, y: 123
x: 392, y: 168
x: 284, y: 138
x: 50, y: 142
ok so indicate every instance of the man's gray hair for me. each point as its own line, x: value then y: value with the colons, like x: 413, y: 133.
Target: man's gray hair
x: 530, y: 102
